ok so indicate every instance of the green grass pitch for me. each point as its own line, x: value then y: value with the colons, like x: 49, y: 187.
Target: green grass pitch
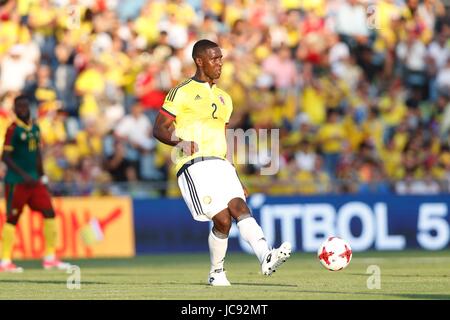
x: 404, y: 275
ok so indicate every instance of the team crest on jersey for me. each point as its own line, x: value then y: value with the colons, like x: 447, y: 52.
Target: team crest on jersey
x: 207, y: 199
x: 222, y: 99
x: 23, y: 136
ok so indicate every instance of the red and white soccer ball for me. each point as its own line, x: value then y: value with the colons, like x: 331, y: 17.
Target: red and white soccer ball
x: 334, y: 254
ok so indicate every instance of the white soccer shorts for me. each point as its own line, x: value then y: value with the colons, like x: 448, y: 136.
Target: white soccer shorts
x: 208, y: 186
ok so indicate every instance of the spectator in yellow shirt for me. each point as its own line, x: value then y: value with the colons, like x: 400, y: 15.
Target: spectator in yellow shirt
x: 43, y: 20
x: 331, y: 138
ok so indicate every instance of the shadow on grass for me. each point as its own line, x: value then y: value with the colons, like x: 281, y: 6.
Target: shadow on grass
x: 265, y: 284
x: 419, y: 296
x: 404, y: 275
x: 369, y: 295
x: 203, y: 284
x: 46, y: 281
x: 433, y: 296
x: 116, y: 274
x: 416, y: 275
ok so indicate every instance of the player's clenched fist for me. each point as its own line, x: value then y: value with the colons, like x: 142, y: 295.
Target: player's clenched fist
x: 188, y: 147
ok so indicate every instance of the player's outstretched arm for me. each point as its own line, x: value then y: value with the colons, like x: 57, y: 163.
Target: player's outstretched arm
x: 164, y: 132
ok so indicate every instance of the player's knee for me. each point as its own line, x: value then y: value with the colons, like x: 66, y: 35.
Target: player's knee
x: 222, y: 223
x: 238, y: 207
x: 48, y: 214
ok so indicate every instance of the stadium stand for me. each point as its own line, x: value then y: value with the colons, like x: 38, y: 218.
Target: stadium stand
x: 359, y: 90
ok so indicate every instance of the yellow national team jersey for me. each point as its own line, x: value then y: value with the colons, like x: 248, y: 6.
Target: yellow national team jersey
x: 201, y: 113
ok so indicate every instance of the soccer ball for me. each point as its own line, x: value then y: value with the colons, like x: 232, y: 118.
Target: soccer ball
x: 334, y: 254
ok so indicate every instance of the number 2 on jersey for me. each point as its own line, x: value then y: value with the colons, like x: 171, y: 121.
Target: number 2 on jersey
x: 215, y: 109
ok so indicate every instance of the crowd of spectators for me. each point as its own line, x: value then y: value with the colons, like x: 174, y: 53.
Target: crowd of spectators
x: 359, y: 90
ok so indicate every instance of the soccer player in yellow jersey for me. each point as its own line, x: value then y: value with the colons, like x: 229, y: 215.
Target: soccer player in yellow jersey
x: 193, y: 119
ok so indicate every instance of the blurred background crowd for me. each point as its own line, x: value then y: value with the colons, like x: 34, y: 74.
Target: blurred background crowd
x: 359, y: 90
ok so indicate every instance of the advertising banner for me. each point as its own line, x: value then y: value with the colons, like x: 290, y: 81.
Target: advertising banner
x: 87, y: 227
x: 367, y: 222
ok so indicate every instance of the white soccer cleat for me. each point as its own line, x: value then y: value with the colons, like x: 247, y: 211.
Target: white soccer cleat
x: 55, y: 264
x: 275, y: 258
x: 218, y: 278
x: 10, y: 267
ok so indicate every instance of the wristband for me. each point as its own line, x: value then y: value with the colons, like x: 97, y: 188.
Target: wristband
x: 44, y: 179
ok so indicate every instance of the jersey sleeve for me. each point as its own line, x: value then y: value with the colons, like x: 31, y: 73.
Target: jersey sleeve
x: 9, y: 139
x: 173, y: 103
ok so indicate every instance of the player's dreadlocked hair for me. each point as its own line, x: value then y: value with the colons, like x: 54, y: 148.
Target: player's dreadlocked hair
x: 201, y: 46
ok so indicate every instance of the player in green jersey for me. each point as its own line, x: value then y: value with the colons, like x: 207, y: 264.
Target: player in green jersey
x: 25, y: 184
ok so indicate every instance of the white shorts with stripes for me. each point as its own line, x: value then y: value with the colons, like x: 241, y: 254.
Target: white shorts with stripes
x: 208, y: 186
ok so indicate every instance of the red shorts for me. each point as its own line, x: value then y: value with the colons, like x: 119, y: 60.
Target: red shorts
x: 17, y: 195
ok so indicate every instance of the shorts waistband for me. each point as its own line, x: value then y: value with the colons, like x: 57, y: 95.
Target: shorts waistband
x: 195, y: 160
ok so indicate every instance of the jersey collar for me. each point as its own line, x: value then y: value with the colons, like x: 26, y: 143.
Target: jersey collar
x: 204, y: 83
x: 24, y: 125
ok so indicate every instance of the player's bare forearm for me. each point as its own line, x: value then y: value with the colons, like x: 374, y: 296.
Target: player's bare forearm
x: 163, y: 132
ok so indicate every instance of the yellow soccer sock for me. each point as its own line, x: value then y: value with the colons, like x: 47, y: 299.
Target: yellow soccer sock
x: 9, y: 232
x: 50, y: 236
